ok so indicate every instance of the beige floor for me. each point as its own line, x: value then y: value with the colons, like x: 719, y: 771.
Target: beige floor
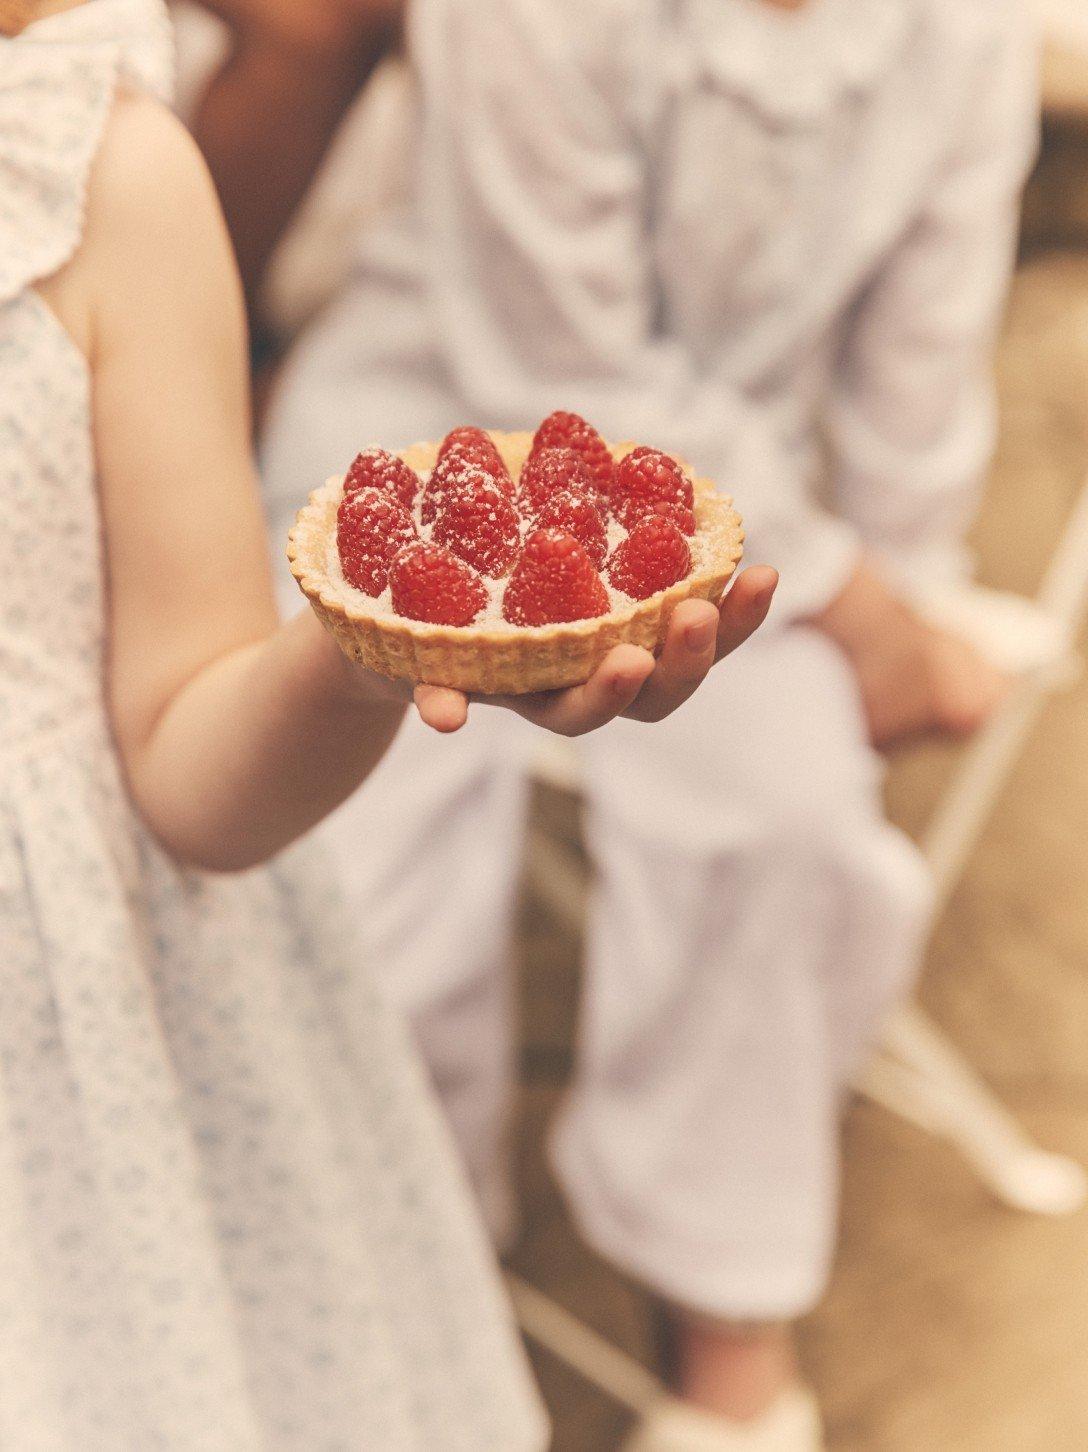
x: 952, y: 1325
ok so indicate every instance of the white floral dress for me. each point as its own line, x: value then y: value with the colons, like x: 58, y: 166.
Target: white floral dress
x: 229, y: 1218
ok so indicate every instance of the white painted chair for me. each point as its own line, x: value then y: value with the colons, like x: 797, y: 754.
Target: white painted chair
x: 917, y: 1072
x: 584, y: 1350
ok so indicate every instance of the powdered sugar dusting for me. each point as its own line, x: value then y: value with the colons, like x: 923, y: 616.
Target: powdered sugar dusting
x: 491, y: 615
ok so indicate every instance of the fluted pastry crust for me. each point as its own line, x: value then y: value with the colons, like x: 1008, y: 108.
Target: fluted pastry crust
x: 488, y: 659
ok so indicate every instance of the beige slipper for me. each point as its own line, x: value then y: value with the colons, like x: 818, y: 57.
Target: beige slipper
x: 791, y: 1425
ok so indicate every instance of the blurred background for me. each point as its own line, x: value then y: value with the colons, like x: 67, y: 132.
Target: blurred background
x: 956, y: 1323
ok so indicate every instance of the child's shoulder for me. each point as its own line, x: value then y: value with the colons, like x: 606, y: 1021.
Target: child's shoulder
x: 979, y: 27
x: 147, y: 164
x: 982, y: 59
x: 986, y: 47
x: 152, y: 208
x: 147, y: 190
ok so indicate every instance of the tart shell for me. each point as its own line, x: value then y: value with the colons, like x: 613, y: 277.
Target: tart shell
x: 488, y: 659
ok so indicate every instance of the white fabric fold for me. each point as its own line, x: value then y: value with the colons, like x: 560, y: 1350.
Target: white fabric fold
x: 793, y: 66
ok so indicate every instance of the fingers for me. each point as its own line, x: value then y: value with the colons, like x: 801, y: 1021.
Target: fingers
x: 628, y: 681
x: 442, y: 709
x: 607, y: 694
x: 686, y: 656
x: 699, y: 635
x: 745, y: 608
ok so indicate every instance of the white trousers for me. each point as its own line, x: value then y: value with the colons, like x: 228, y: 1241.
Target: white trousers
x: 754, y: 917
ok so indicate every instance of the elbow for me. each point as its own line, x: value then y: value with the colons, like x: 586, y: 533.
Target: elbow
x: 220, y: 857
x: 221, y: 854
x: 221, y: 860
x: 198, y: 837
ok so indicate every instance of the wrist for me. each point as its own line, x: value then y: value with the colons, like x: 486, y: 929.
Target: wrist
x: 866, y: 608
x: 342, y: 684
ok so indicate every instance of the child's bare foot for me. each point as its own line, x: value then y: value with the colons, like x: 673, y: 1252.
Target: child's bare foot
x: 734, y: 1387
x: 914, y: 678
x: 733, y: 1372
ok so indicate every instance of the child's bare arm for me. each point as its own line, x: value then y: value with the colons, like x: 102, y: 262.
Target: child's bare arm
x: 236, y: 735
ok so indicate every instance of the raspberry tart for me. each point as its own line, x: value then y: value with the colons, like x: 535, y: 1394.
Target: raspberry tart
x: 501, y: 563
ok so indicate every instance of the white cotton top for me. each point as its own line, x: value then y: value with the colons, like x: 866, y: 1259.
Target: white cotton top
x: 230, y: 1219
x: 776, y: 242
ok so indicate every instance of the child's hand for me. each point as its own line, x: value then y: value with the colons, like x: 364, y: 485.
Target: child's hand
x: 629, y: 681
x: 913, y: 678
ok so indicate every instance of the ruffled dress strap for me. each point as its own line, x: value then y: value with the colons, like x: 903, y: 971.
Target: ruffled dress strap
x: 57, y: 82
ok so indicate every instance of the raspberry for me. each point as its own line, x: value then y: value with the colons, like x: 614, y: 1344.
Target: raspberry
x: 647, y: 478
x: 577, y: 515
x: 548, y: 470
x: 370, y: 528
x: 473, y: 443
x: 553, y: 580
x: 377, y: 469
x: 461, y: 466
x: 678, y: 514
x: 480, y: 525
x: 570, y: 431
x: 430, y: 583
x: 652, y: 557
